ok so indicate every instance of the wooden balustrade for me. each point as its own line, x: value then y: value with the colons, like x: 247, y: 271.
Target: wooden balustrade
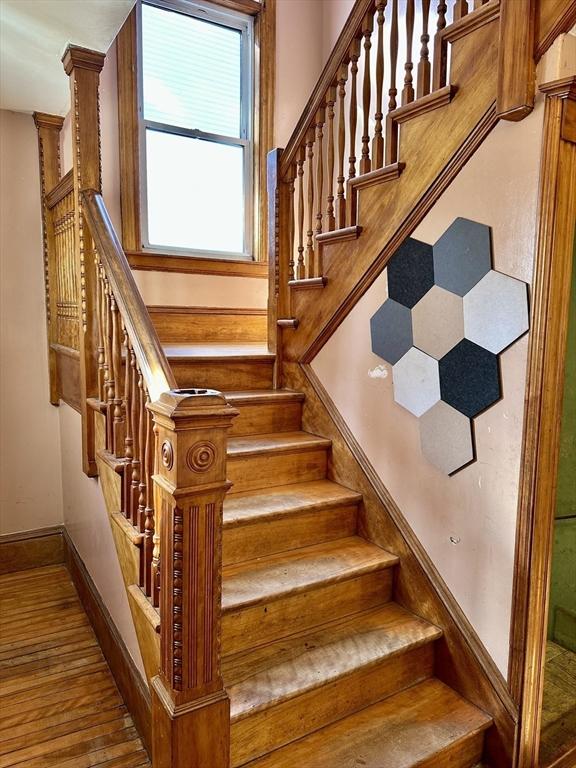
x: 346, y: 131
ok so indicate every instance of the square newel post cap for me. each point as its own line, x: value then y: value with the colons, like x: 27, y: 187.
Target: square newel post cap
x: 76, y: 57
x: 189, y: 408
x: 44, y: 120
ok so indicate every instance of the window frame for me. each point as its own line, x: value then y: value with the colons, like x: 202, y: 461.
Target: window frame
x: 129, y: 64
x: 244, y: 23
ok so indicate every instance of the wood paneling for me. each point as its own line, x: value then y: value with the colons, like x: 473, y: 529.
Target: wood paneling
x: 552, y: 19
x: 547, y: 353
x: 163, y: 262
x: 31, y: 549
x: 60, y: 705
x: 68, y: 375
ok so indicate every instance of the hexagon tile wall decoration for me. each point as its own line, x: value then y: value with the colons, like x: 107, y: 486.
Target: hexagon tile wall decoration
x: 447, y: 318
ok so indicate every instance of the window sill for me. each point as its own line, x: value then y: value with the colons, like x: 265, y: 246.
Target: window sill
x: 159, y: 262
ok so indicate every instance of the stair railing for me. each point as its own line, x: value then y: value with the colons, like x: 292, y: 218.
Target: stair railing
x: 390, y: 55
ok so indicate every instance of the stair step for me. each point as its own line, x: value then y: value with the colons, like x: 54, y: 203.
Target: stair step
x: 287, y: 689
x: 266, y: 411
x: 190, y: 325
x: 262, y: 461
x: 428, y: 726
x: 264, y: 522
x: 221, y: 366
x: 268, y: 598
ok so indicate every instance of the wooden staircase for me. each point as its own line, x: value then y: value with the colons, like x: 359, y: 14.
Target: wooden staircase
x: 321, y: 665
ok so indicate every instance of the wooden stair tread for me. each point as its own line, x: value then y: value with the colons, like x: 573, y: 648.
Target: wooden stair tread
x: 264, y: 396
x: 267, y: 578
x: 404, y: 731
x: 279, y: 442
x: 271, y: 503
x: 216, y: 351
x: 285, y: 669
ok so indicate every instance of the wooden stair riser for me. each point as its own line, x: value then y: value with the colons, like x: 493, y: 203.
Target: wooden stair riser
x: 263, y: 418
x: 203, y: 325
x: 224, y: 374
x: 270, y: 469
x: 269, y: 729
x: 255, y: 625
x: 267, y: 537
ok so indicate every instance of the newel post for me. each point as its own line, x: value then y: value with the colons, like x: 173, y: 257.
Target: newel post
x: 83, y: 66
x: 190, y: 708
x: 49, y: 127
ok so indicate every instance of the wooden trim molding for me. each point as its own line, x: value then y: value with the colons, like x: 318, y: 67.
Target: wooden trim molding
x: 462, y: 661
x: 554, y: 18
x: 127, y: 47
x: 516, y: 66
x: 544, y: 396
x: 31, y: 549
x: 128, y: 679
x: 59, y: 192
x: 192, y: 265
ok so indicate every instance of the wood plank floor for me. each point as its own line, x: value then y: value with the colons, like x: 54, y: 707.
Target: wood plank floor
x: 559, y: 704
x: 59, y: 704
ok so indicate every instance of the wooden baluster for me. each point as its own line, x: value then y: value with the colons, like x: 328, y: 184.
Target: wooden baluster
x: 103, y: 300
x: 440, y: 48
x: 301, y: 268
x: 135, y: 482
x: 149, y: 524
x: 423, y: 87
x: 320, y: 119
x: 310, y: 271
x: 378, y: 142
x: 340, y: 198
x: 118, y: 424
x: 460, y: 9
x: 128, y: 395
x: 354, y: 56
x: 292, y: 221
x: 330, y: 101
x: 393, y: 91
x: 100, y: 320
x: 367, y: 28
x: 156, y: 564
x: 110, y: 395
x: 142, y: 457
x: 408, y: 90
x: 441, y: 11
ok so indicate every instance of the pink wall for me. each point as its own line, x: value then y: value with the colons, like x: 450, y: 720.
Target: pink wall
x: 30, y: 483
x: 477, y: 507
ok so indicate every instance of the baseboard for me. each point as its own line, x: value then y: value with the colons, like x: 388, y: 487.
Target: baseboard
x: 32, y: 549
x: 128, y: 679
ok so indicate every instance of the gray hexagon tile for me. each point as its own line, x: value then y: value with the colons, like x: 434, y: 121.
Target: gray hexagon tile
x: 410, y: 272
x: 462, y: 256
x: 391, y: 331
x: 496, y: 311
x: 446, y: 438
x: 438, y: 322
x: 416, y: 382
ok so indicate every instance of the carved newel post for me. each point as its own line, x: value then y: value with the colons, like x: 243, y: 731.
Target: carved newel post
x: 191, y: 711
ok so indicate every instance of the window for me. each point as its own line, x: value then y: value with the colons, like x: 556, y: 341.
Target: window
x: 196, y: 106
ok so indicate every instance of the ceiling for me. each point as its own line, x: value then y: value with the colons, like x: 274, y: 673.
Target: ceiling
x: 33, y: 37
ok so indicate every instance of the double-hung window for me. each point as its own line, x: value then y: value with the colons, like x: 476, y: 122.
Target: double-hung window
x: 196, y: 128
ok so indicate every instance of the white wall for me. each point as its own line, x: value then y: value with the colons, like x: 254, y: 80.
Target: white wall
x: 30, y: 485
x: 477, y: 506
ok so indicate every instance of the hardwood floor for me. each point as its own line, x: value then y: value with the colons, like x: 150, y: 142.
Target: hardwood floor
x: 59, y: 704
x: 559, y: 705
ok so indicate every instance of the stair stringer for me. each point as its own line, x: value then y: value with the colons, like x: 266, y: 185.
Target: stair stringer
x: 434, y: 146
x: 462, y: 661
x: 126, y: 537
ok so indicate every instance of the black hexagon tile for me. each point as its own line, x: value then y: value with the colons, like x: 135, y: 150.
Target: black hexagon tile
x: 410, y: 272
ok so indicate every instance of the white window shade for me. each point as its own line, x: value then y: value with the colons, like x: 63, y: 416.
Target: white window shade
x: 191, y: 72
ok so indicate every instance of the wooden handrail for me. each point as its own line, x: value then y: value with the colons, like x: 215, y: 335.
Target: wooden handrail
x: 352, y: 28
x: 147, y: 348
x: 59, y: 192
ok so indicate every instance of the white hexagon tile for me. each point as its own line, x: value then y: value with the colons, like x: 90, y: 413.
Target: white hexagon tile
x: 448, y: 317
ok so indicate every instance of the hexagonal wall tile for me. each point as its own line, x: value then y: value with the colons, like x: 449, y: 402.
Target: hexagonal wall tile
x: 462, y: 256
x: 391, y: 331
x: 416, y: 382
x: 446, y: 438
x: 496, y: 311
x: 469, y: 378
x: 410, y: 272
x: 438, y: 322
